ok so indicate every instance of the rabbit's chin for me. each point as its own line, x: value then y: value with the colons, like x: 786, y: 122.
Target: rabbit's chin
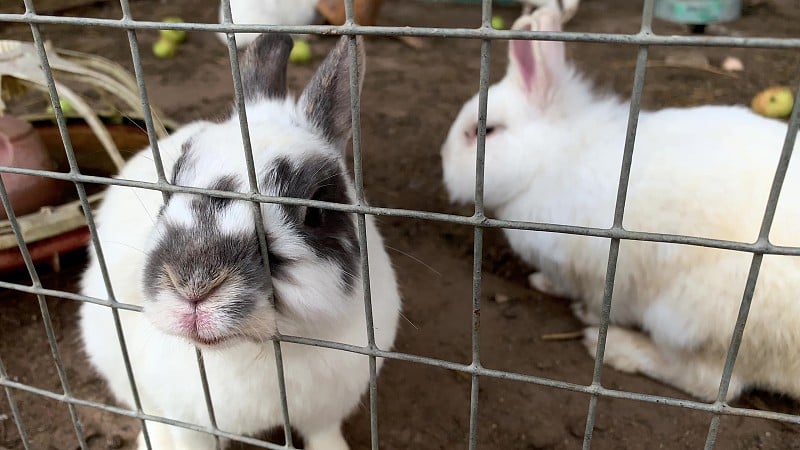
x: 212, y: 325
x: 224, y: 342
x: 220, y: 341
x: 217, y: 341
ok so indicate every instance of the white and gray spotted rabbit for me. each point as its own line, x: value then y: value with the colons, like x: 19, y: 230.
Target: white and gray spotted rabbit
x: 194, y: 265
x: 554, y: 154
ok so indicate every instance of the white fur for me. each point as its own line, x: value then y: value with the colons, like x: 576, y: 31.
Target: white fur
x: 267, y: 12
x: 570, y: 7
x: 237, y: 218
x: 179, y: 211
x: 323, y: 386
x: 705, y: 171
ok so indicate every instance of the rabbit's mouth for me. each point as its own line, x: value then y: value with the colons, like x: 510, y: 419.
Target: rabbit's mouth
x: 210, y: 342
x: 211, y: 323
x: 198, y: 327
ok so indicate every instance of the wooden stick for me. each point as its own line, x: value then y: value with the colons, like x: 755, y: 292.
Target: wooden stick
x: 565, y: 336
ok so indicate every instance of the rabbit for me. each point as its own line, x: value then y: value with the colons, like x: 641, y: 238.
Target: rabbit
x: 194, y: 265
x: 267, y: 12
x: 554, y: 155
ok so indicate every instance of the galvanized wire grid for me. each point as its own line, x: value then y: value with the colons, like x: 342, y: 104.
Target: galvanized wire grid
x: 644, y: 38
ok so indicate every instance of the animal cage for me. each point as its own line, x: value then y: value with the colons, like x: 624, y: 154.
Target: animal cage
x: 479, y: 221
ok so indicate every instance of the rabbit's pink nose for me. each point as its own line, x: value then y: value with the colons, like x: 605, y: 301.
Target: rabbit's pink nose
x: 200, y: 295
x: 195, y: 299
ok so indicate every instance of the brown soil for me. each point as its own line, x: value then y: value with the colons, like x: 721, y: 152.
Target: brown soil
x: 410, y: 98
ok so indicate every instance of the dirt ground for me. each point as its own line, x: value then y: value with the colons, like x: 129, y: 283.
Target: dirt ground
x: 410, y: 98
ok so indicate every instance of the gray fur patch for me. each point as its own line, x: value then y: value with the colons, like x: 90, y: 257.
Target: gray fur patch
x: 184, y: 162
x: 199, y: 255
x: 196, y: 257
x: 206, y: 208
x: 326, y: 99
x: 330, y: 234
x: 264, y: 66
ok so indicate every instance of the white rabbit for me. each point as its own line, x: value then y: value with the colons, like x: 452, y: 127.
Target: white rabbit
x: 267, y: 12
x: 554, y: 154
x: 195, y: 267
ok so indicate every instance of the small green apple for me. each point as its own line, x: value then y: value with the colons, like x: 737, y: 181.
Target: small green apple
x: 66, y: 107
x: 301, y: 52
x: 164, y: 48
x: 176, y: 36
x: 498, y: 23
x: 775, y: 102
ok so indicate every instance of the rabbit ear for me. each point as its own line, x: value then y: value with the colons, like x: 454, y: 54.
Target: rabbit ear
x: 326, y: 99
x: 264, y: 67
x: 536, y: 65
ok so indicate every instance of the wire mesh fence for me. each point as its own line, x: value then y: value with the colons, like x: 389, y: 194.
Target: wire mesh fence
x: 478, y: 220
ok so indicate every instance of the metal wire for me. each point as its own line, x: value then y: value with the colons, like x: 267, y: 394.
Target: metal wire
x: 259, y: 219
x: 162, y: 180
x: 480, y: 33
x: 619, y: 210
x: 212, y: 418
x: 468, y: 369
x: 616, y: 233
x: 355, y: 106
x: 486, y: 222
x: 12, y: 403
x: 74, y: 169
x: 73, y: 401
x: 477, y: 249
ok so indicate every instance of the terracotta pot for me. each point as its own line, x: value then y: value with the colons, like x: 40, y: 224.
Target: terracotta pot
x: 365, y: 11
x: 21, y: 146
x: 58, y: 239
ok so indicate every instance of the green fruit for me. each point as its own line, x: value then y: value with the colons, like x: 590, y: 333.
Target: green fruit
x: 301, y: 52
x: 775, y: 102
x: 66, y: 107
x: 176, y: 36
x: 164, y: 48
x: 498, y: 23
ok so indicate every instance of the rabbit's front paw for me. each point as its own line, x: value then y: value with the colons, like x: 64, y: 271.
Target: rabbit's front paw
x: 626, y: 351
x: 582, y: 313
x: 543, y: 284
x: 330, y: 439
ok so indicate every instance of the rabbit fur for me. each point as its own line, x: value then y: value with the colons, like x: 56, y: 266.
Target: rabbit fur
x: 267, y: 12
x: 554, y: 154
x: 195, y: 268
x: 568, y: 8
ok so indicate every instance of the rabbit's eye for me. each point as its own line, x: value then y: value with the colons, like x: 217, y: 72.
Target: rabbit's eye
x: 313, y: 217
x: 489, y: 130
